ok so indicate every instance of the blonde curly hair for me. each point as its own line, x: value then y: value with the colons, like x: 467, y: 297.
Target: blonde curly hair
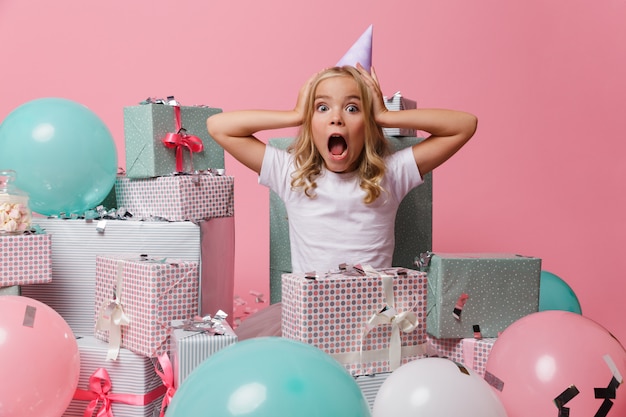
x: 309, y: 162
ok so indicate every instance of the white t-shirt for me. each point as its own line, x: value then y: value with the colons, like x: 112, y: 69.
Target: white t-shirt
x: 336, y: 226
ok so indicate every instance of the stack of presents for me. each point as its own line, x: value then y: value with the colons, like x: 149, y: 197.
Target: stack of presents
x: 147, y: 286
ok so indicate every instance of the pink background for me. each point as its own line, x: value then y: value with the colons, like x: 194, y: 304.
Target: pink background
x: 543, y: 176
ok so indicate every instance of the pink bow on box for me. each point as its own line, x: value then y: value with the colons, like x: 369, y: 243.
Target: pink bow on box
x: 167, y: 376
x: 181, y: 139
x: 100, y: 391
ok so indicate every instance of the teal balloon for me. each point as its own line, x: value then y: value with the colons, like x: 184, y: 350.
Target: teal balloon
x: 269, y: 377
x: 556, y: 294
x: 64, y: 155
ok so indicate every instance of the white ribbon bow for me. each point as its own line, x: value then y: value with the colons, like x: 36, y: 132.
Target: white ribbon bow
x: 112, y: 316
x: 405, y: 321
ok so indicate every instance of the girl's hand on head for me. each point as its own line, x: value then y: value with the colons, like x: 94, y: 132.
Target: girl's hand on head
x: 371, y: 80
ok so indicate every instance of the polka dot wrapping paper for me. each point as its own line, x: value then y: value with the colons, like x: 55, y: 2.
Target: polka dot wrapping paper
x: 25, y: 259
x: 496, y: 289
x: 177, y: 198
x: 332, y: 312
x: 471, y: 352
x: 153, y: 293
x: 146, y: 125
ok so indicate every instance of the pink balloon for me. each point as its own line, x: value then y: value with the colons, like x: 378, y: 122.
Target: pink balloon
x: 550, y: 361
x: 39, y: 359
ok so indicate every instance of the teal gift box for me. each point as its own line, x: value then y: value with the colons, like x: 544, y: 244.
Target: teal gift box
x: 479, y: 294
x: 413, y: 226
x: 145, y: 127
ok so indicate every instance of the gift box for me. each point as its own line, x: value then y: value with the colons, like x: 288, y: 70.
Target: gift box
x: 156, y: 145
x: 177, y: 198
x: 399, y: 102
x: 76, y: 243
x: 25, y: 259
x: 12, y: 290
x: 370, y: 385
x: 137, y: 298
x: 135, y: 388
x: 471, y: 352
x: 413, y: 226
x: 479, y: 293
x: 369, y: 323
x: 193, y: 342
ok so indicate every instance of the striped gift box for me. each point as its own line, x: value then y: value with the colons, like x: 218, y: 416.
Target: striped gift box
x: 177, y: 198
x: 75, y: 245
x: 395, y: 103
x: 189, y: 348
x: 133, y: 378
x: 370, y: 385
x: 152, y: 292
x: 25, y: 259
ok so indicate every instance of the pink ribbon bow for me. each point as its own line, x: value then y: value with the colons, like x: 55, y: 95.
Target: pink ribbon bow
x: 100, y: 391
x: 181, y: 139
x: 167, y: 376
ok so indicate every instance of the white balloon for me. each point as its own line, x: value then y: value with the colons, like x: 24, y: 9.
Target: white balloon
x: 436, y: 387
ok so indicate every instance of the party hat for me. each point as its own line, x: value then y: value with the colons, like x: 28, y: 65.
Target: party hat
x: 361, y: 51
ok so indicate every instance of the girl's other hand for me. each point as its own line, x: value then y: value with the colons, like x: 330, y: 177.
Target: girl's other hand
x: 371, y: 80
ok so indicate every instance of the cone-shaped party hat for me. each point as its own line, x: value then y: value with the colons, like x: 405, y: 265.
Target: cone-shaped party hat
x: 360, y: 52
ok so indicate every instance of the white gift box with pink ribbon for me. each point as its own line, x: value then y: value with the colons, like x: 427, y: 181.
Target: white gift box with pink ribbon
x: 137, y: 298
x: 370, y: 321
x: 127, y: 387
x: 25, y: 259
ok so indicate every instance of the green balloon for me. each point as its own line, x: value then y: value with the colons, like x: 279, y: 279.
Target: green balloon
x: 556, y: 294
x: 269, y: 377
x: 64, y: 155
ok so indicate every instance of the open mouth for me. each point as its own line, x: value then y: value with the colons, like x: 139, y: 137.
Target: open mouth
x: 337, y: 145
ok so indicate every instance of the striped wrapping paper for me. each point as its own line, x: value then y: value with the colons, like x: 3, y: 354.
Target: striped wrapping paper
x: 25, y: 259
x: 152, y: 292
x: 75, y: 245
x: 370, y: 385
x: 177, y: 198
x: 129, y: 374
x: 188, y: 349
x: 395, y: 103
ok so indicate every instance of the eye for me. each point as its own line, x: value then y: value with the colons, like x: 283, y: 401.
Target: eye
x: 351, y: 108
x: 322, y: 107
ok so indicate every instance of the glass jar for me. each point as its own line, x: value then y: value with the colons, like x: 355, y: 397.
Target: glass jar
x: 15, y: 215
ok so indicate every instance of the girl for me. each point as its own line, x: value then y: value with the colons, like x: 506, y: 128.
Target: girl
x: 340, y: 184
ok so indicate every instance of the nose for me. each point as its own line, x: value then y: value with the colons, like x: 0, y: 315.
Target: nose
x: 336, y: 119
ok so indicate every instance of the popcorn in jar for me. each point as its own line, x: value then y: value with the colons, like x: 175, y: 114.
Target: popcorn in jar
x: 15, y: 215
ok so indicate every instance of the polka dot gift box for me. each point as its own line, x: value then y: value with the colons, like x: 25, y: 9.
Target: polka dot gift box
x: 177, y: 198
x: 148, y: 126
x: 349, y: 315
x: 25, y: 259
x: 138, y: 297
x: 479, y: 294
x: 471, y: 352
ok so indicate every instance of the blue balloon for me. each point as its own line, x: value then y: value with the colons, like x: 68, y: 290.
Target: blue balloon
x: 269, y: 377
x: 64, y: 155
x: 556, y: 294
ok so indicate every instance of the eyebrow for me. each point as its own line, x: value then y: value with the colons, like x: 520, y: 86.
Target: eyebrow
x: 326, y: 97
